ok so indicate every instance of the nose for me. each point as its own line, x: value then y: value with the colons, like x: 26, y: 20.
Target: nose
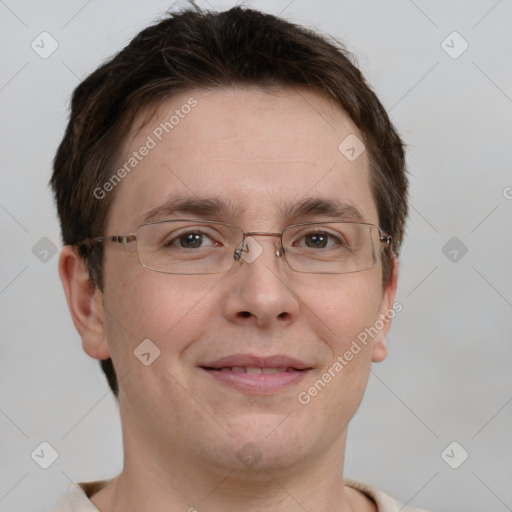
x: 259, y: 287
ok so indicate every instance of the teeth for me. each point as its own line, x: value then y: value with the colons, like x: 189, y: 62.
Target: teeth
x: 252, y: 370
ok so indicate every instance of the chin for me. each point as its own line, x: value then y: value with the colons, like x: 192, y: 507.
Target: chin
x: 263, y: 442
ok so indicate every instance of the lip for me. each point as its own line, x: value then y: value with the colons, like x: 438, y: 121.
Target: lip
x: 291, y: 372
x: 249, y: 360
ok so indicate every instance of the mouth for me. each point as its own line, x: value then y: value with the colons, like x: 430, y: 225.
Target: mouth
x: 257, y: 375
x: 254, y: 370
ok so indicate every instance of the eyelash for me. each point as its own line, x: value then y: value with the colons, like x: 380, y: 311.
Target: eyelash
x: 177, y: 237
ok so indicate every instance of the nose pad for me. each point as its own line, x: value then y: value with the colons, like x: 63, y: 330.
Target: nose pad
x: 249, y: 250
x: 238, y: 251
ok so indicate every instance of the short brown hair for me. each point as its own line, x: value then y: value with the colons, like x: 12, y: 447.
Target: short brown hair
x: 203, y: 50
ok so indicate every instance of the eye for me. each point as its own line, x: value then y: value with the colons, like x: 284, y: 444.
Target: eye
x: 319, y: 240
x: 190, y: 240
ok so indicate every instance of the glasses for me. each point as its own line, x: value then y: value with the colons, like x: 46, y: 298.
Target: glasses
x: 210, y: 247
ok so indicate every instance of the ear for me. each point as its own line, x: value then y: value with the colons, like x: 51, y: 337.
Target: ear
x: 387, y: 311
x: 84, y: 302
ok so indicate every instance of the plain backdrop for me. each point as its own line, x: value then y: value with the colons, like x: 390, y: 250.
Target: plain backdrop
x: 448, y: 374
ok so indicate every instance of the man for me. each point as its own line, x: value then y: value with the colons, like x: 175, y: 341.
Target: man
x: 232, y: 198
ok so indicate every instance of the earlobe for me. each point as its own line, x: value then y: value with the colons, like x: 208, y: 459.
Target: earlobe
x: 84, y: 302
x: 385, y: 314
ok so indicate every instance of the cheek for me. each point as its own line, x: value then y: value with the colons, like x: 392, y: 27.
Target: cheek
x: 344, y: 306
x: 339, y: 310
x: 169, y: 310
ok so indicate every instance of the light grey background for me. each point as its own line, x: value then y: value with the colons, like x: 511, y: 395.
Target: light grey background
x: 448, y: 375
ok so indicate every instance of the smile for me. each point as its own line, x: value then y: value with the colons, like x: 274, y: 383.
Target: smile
x: 257, y: 380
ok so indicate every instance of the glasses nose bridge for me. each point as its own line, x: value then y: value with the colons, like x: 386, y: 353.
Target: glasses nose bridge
x: 261, y: 233
x: 279, y: 250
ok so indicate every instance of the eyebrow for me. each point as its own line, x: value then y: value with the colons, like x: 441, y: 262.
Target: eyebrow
x: 322, y: 206
x: 196, y: 206
x: 216, y: 208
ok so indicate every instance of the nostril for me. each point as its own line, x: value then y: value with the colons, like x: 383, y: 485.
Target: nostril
x: 245, y: 314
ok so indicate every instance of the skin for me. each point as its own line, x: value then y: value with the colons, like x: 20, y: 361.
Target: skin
x: 181, y: 428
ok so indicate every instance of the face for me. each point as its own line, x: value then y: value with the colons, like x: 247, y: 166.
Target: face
x: 259, y: 154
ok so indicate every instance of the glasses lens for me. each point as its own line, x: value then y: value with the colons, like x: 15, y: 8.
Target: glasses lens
x: 186, y: 247
x: 331, y: 247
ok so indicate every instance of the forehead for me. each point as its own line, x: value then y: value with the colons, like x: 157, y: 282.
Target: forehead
x: 260, y: 151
